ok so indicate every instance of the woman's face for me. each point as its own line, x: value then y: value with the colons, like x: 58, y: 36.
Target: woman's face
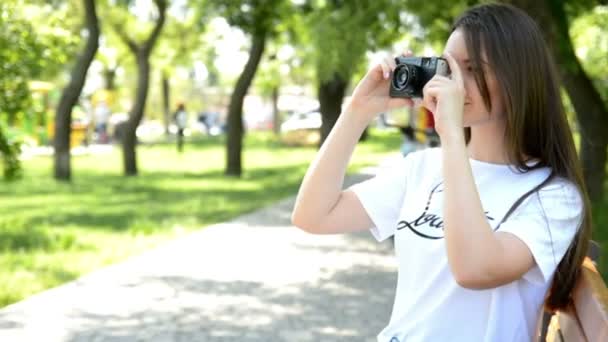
x: 475, y: 111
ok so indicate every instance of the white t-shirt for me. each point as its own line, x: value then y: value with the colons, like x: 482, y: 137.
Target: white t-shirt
x: 102, y: 114
x: 181, y: 119
x: 406, y: 201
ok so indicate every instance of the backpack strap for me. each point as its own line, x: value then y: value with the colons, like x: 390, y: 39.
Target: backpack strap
x: 523, y: 198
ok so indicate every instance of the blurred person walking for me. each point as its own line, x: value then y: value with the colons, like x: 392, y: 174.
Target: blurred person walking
x: 181, y: 121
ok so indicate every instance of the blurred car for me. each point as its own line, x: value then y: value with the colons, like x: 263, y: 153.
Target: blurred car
x: 302, y: 121
x: 302, y: 128
x: 209, y: 123
x: 150, y: 130
x: 257, y: 120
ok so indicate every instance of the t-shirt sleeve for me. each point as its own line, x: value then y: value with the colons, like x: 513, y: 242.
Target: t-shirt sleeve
x: 547, y: 222
x: 382, y: 197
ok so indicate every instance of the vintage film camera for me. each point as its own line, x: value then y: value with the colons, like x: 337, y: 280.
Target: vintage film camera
x: 412, y: 73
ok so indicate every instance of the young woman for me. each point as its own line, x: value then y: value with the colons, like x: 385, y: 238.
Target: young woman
x: 492, y: 224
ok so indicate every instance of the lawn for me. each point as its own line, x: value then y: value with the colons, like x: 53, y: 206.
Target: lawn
x: 52, y: 232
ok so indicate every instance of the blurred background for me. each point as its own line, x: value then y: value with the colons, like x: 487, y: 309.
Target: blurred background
x: 124, y: 123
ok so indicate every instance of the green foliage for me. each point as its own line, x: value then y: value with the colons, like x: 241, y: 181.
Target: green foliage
x: 589, y: 33
x: 276, y: 66
x: 269, y: 18
x: 208, y: 54
x: 10, y: 149
x: 341, y: 32
x: 30, y: 52
x: 58, y: 30
x: 19, y: 54
x: 179, y: 46
x: 124, y: 16
x: 180, y: 38
x: 436, y: 21
x: 575, y: 8
x: 256, y: 17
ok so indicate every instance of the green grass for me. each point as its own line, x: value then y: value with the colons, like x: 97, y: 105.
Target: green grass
x: 52, y: 232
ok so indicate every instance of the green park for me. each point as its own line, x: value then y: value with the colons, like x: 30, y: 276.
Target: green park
x: 99, y: 166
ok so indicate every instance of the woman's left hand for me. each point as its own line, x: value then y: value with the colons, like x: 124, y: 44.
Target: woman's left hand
x: 444, y: 97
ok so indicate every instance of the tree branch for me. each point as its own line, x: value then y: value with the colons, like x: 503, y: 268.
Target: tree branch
x: 125, y: 38
x: 162, y: 7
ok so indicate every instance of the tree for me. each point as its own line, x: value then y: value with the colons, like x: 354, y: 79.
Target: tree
x: 590, y: 109
x: 71, y: 92
x: 341, y: 33
x: 180, y: 39
x: 112, y: 57
x: 141, y: 52
x: 269, y: 82
x: 20, y: 52
x: 275, y: 71
x: 261, y: 19
x: 588, y: 32
x: 59, y: 29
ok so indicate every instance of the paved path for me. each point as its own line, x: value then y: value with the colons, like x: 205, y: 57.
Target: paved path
x: 255, y: 278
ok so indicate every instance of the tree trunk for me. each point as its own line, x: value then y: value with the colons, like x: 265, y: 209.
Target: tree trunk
x: 109, y: 76
x: 276, y: 120
x: 166, y: 102
x: 136, y: 114
x: 10, y: 157
x: 70, y: 94
x: 142, y: 56
x: 592, y: 118
x: 235, y: 109
x: 331, y: 94
x: 591, y: 112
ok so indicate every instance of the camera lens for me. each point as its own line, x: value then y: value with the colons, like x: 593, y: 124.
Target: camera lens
x: 403, y: 76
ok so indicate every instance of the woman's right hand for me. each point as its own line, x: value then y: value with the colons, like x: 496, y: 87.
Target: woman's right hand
x: 371, y: 96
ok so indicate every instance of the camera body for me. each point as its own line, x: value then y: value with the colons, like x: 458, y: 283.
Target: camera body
x: 412, y: 73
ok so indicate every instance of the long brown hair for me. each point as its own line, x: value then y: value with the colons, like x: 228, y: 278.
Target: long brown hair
x: 536, y: 124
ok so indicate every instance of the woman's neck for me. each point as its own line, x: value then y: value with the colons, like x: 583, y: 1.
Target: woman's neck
x: 488, y: 144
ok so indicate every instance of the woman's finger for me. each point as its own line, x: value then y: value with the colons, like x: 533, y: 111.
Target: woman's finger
x: 391, y: 63
x: 433, y: 83
x: 436, y: 83
x: 456, y: 74
x: 429, y: 103
x: 386, y: 69
x: 430, y: 93
x: 438, y: 80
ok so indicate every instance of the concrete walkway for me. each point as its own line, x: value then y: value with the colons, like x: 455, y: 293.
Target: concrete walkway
x: 255, y: 278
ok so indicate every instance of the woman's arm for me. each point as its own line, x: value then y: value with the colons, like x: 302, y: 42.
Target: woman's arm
x: 478, y: 257
x: 321, y: 206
